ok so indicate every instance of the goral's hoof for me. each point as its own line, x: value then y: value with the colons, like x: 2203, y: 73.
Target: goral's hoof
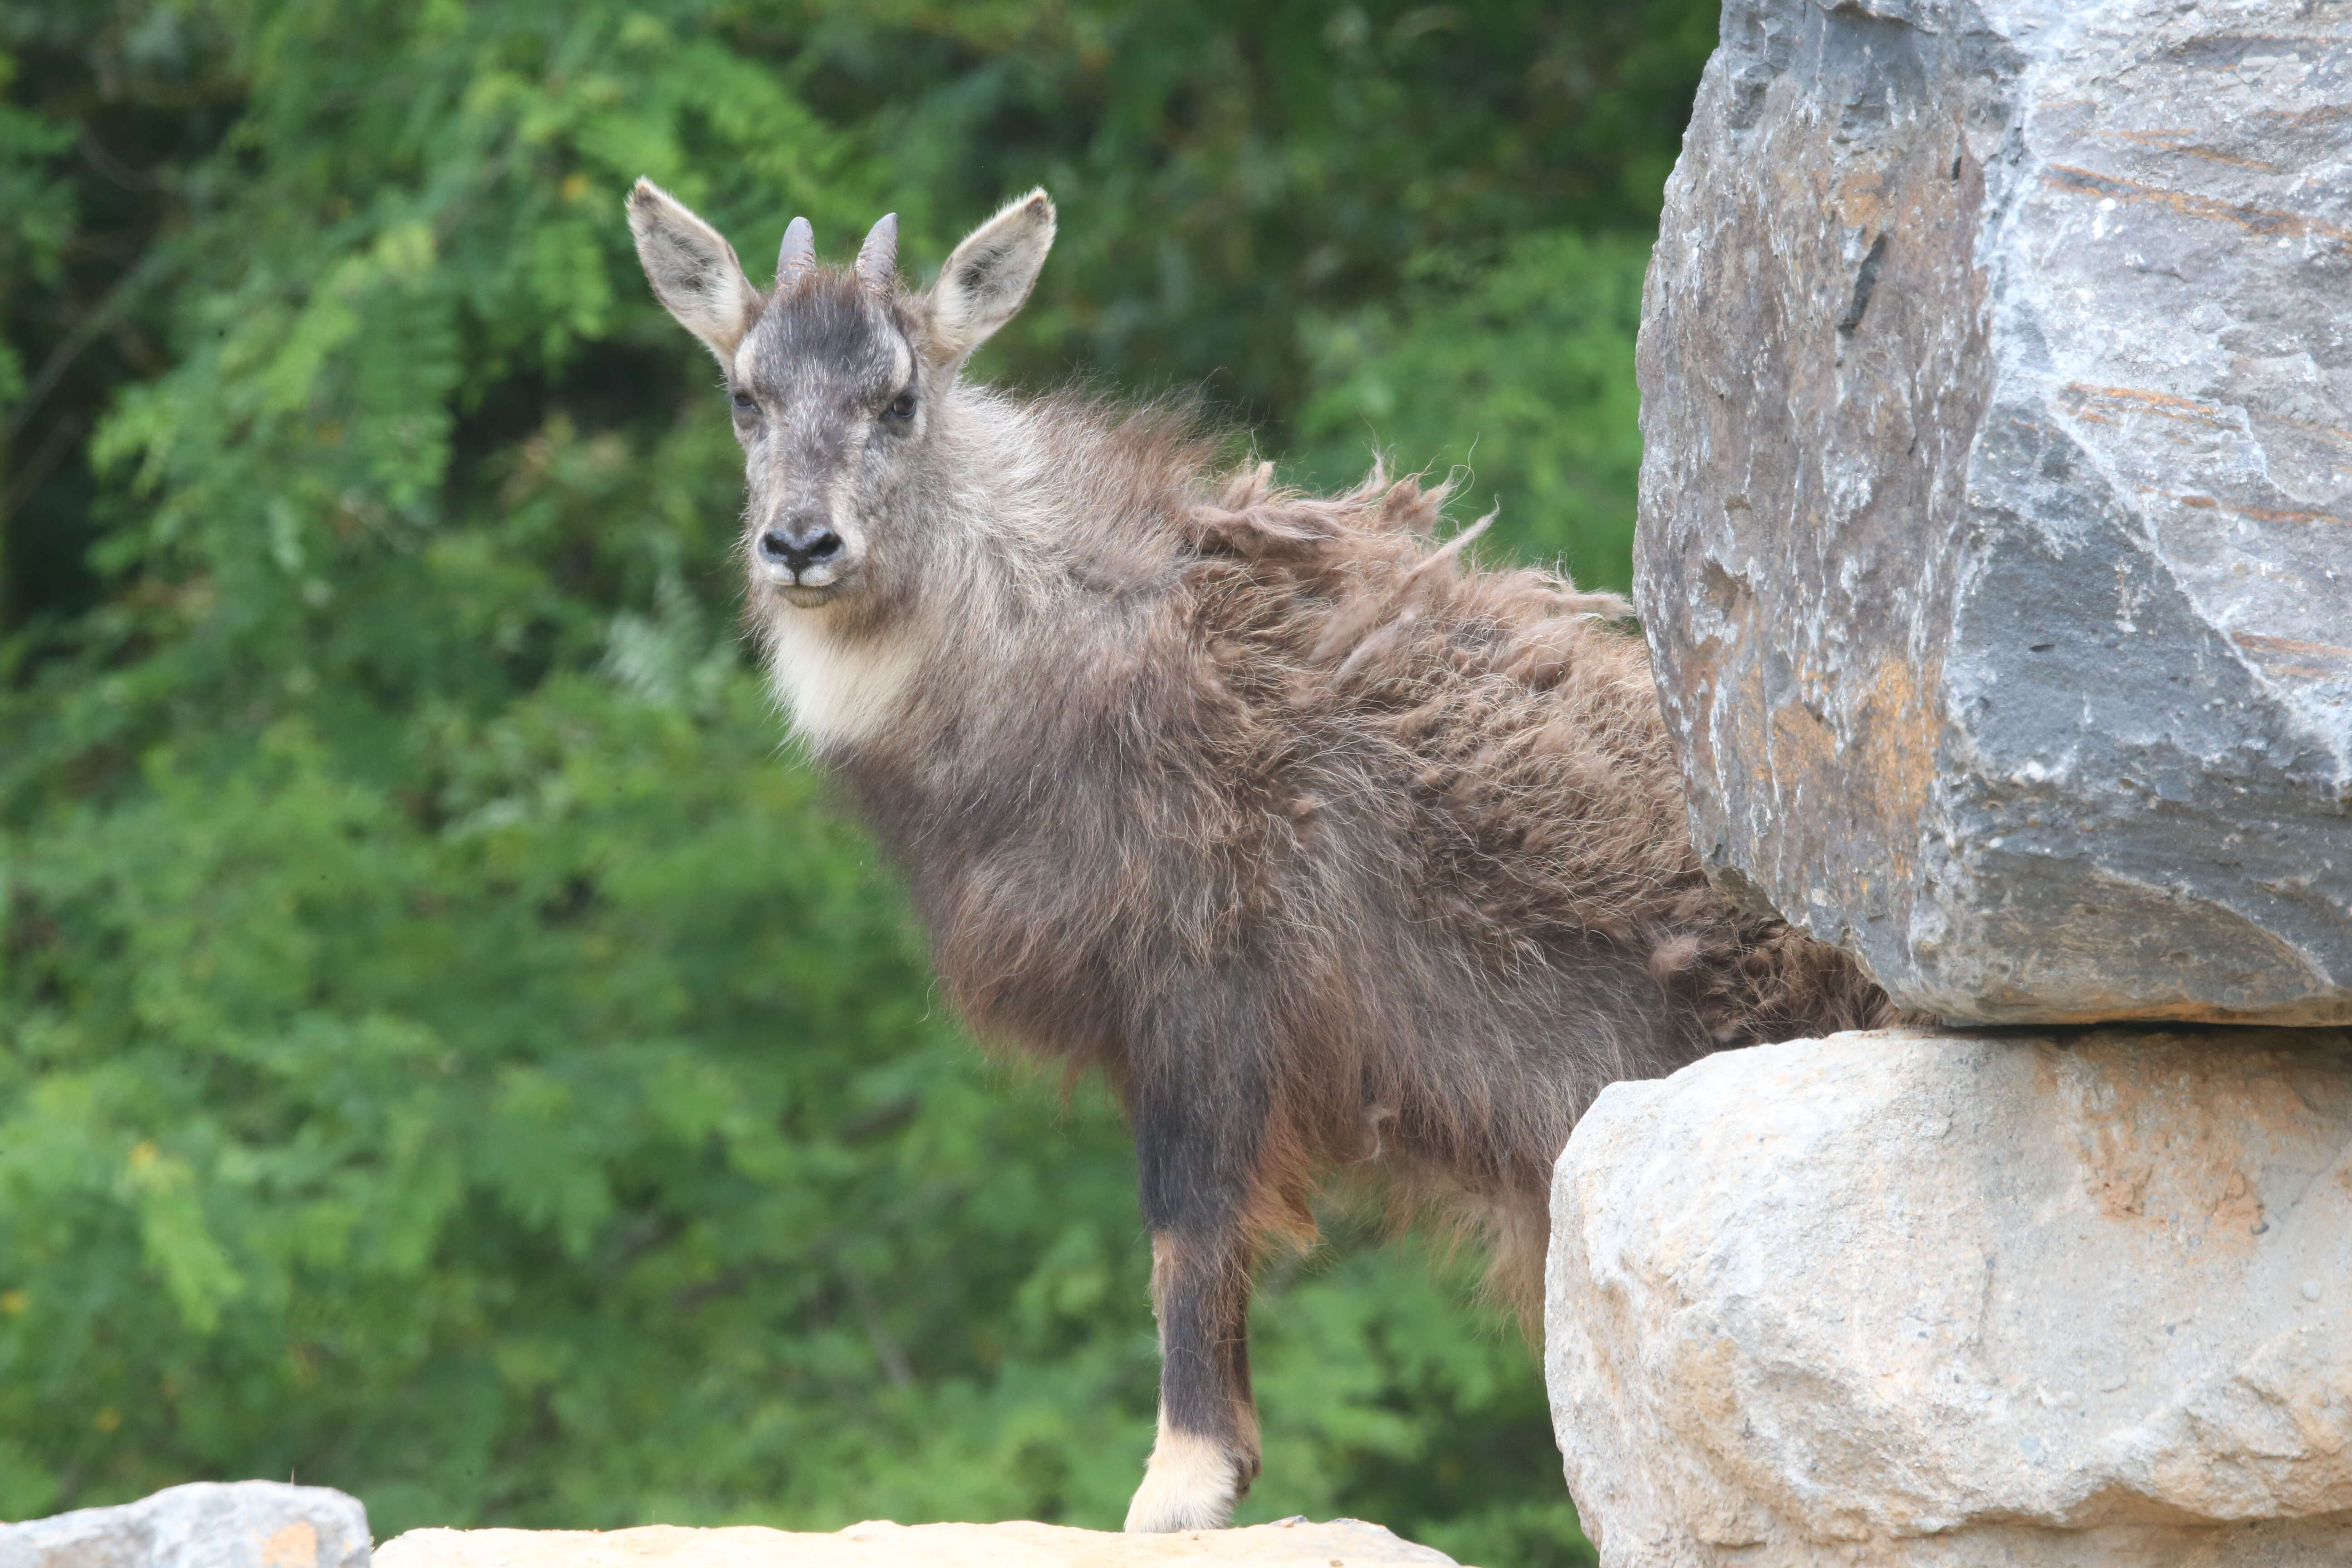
x: 1191, y: 1483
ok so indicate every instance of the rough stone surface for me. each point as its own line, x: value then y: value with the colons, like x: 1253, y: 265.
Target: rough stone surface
x: 1923, y: 1299
x: 1996, y: 519
x: 205, y: 1524
x: 1292, y: 1543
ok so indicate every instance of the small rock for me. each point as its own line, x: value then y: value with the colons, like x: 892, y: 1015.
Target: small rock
x: 1908, y: 1298
x: 205, y: 1524
x: 879, y: 1544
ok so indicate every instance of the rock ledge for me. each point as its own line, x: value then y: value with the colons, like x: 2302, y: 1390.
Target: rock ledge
x: 879, y: 1544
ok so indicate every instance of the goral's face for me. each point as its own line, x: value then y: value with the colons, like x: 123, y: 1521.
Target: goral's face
x: 830, y: 409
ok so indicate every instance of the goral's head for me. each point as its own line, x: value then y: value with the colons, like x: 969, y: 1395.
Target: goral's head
x: 836, y: 380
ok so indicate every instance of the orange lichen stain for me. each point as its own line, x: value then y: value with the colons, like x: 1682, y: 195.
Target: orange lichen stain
x: 2255, y: 641
x: 1898, y: 742
x: 2176, y: 141
x: 2335, y: 662
x: 2158, y: 1133
x: 2259, y: 513
x: 2266, y: 514
x: 1803, y: 742
x: 1883, y: 763
x: 295, y: 1545
x: 2121, y: 1193
x: 2254, y: 220
x: 1859, y: 200
x: 2297, y: 116
x: 2317, y: 429
x: 2239, y: 1208
x: 2164, y: 404
x: 1901, y: 186
x: 2208, y: 1118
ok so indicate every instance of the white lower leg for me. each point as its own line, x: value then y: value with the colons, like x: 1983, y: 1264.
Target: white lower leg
x: 1191, y: 1483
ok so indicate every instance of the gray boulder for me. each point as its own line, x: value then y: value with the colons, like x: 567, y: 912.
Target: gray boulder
x: 205, y: 1524
x: 1996, y: 527
x: 1909, y: 1299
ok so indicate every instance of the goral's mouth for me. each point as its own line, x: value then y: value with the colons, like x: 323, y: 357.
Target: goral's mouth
x: 808, y: 588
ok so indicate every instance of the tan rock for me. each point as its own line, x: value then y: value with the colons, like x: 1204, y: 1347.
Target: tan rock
x: 1291, y: 1543
x: 1915, y: 1298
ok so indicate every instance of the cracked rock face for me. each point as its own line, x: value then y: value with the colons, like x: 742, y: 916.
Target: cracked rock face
x: 1942, y: 1301
x: 1996, y: 533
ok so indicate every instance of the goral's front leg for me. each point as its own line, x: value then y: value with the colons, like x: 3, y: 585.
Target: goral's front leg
x: 1199, y: 1098
x: 1207, y: 1452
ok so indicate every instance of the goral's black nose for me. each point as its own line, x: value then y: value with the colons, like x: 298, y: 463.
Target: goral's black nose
x: 798, y: 548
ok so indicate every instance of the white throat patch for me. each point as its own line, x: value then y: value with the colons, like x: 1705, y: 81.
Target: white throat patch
x: 835, y: 695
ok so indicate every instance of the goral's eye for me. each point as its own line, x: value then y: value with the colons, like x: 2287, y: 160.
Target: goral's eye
x: 743, y: 401
x: 902, y: 407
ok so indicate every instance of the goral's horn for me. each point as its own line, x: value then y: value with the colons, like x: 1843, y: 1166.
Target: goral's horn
x: 798, y: 255
x: 877, y: 258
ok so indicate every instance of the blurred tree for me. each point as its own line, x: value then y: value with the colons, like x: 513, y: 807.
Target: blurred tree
x: 445, y: 1052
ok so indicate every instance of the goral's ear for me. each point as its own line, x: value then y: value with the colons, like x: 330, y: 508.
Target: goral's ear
x: 693, y: 270
x: 989, y: 276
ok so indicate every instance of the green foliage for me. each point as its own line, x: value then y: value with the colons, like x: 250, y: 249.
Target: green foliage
x: 1518, y: 376
x: 445, y: 1050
